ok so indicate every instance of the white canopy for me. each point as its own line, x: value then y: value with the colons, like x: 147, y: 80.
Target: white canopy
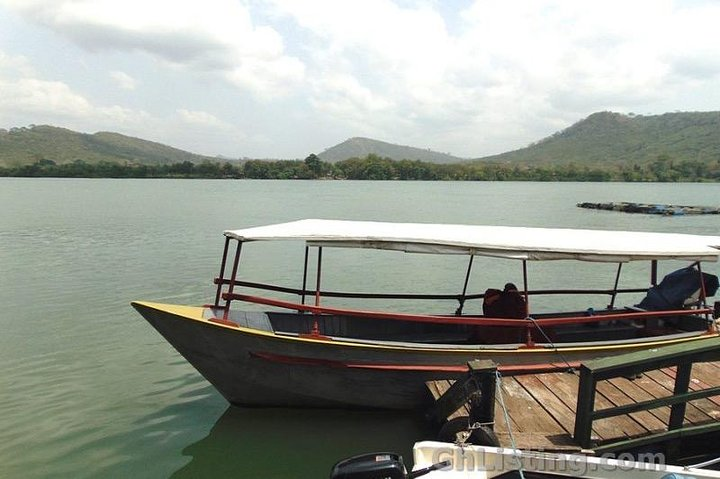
x: 498, y: 241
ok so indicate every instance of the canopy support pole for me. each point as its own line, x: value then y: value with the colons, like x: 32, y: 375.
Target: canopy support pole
x: 305, y: 273
x: 458, y: 312
x: 315, y: 327
x: 238, y: 250
x: 222, y: 272
x: 530, y: 323
x: 703, y: 299
x: 653, y: 272
x: 702, y: 285
x: 615, y: 288
x: 525, y: 288
x: 318, y: 276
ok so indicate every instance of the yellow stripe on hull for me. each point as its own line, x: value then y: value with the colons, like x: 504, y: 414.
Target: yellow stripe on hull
x: 196, y: 313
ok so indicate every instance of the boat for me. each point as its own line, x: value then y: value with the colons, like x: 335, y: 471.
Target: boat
x: 297, y: 347
x: 446, y: 460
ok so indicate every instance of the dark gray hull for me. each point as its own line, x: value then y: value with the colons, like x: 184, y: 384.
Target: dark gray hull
x: 258, y: 368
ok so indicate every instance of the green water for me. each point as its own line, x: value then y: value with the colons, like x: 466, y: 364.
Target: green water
x: 89, y: 389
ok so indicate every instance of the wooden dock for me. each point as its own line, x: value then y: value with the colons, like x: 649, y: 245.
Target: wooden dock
x: 622, y: 412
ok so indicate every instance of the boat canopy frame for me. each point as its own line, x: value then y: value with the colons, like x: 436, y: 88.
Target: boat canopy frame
x: 328, y: 233
x: 533, y: 244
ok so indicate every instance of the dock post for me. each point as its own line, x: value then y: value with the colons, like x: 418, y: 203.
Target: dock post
x: 482, y: 409
x: 584, y: 409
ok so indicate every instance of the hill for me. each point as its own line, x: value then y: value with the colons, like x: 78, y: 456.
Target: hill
x: 361, y: 147
x: 602, y: 140
x: 607, y: 138
x: 21, y: 146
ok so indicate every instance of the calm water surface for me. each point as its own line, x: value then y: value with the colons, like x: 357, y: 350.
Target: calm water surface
x: 89, y: 389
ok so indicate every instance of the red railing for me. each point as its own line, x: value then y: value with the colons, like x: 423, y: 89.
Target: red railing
x: 469, y: 320
x: 456, y: 297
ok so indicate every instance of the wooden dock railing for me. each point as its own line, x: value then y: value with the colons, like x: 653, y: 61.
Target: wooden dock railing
x: 681, y: 356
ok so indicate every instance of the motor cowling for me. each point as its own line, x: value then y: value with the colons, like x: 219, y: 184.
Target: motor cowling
x: 379, y: 465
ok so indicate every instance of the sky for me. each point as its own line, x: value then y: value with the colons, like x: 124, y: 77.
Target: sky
x: 287, y: 78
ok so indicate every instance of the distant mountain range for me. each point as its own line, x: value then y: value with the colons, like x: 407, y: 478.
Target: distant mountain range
x: 19, y: 146
x: 361, y: 147
x: 602, y: 139
x: 607, y: 138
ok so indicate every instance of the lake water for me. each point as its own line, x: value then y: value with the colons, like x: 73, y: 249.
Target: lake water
x: 89, y: 389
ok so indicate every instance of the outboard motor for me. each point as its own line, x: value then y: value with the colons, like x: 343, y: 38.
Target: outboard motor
x: 677, y: 287
x: 378, y: 465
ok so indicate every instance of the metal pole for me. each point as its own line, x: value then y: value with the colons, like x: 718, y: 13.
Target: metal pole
x: 458, y: 312
x: 617, y: 281
x: 233, y: 278
x: 702, y: 286
x: 528, y: 330
x: 305, y: 272
x: 317, y: 278
x: 315, y: 331
x: 653, y: 272
x: 222, y: 272
x: 525, y: 288
x: 703, y: 300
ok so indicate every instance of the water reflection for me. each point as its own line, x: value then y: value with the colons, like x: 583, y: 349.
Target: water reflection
x: 281, y: 443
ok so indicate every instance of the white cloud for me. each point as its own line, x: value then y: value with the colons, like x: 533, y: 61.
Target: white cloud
x: 23, y: 92
x: 215, y: 36
x: 508, y: 71
x: 200, y: 118
x: 32, y: 100
x: 14, y: 66
x: 474, y: 79
x: 27, y: 98
x: 123, y: 80
x: 344, y: 95
x: 269, y: 80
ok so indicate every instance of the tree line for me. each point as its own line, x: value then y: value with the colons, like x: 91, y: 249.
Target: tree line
x: 374, y: 167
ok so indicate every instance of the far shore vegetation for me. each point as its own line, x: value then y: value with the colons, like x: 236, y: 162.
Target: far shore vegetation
x: 374, y: 167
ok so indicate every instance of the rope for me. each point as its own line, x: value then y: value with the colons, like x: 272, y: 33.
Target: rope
x: 498, y: 388
x: 552, y: 344
x: 463, y: 436
x: 478, y: 425
x: 474, y: 389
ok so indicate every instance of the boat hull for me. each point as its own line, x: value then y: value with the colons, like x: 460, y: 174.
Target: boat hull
x: 251, y: 367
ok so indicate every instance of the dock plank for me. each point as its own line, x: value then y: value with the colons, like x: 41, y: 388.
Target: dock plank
x: 693, y: 414
x: 706, y: 375
x: 605, y: 429
x: 627, y: 425
x: 713, y: 366
x: 541, y: 407
x: 527, y: 414
x: 653, y: 419
x: 710, y: 406
x: 544, y: 394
